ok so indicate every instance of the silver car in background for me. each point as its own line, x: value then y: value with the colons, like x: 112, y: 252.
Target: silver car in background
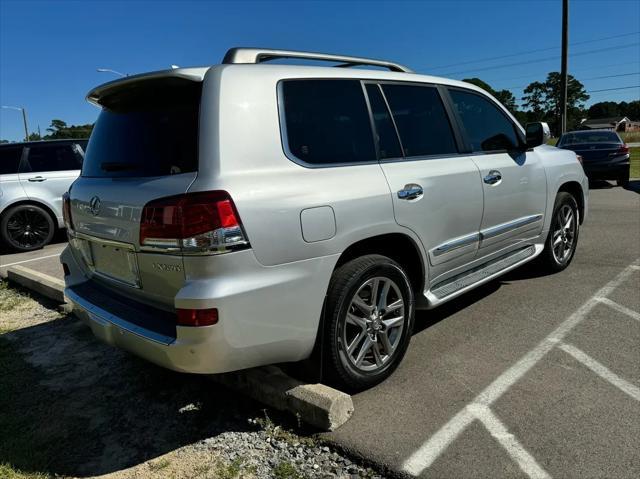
x: 248, y: 213
x: 33, y: 178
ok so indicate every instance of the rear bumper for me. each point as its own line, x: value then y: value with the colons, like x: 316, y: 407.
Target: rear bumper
x: 607, y: 171
x: 267, y: 314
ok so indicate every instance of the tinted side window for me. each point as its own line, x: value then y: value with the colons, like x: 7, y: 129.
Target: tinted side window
x: 53, y: 158
x: 387, y: 137
x: 10, y: 159
x: 327, y: 121
x: 487, y: 127
x: 421, y: 119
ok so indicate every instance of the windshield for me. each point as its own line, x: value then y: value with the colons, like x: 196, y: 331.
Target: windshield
x: 581, y: 137
x: 149, y: 128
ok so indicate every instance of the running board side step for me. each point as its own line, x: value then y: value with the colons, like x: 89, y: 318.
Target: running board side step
x: 452, y: 287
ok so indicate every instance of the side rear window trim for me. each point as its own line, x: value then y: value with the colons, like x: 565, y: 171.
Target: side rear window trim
x: 284, y: 139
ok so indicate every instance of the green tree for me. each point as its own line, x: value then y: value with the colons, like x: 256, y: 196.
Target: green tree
x: 542, y: 99
x: 603, y: 109
x: 60, y: 130
x: 503, y: 96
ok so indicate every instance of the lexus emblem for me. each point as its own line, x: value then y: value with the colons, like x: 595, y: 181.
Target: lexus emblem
x: 94, y: 205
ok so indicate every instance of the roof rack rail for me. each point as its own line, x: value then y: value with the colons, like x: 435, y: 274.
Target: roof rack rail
x: 259, y: 55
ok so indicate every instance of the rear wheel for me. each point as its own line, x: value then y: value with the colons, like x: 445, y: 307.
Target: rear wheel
x: 369, y: 318
x: 562, y: 240
x: 26, y: 227
x: 623, y: 180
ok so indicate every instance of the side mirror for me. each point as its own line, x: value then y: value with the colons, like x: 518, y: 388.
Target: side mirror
x: 538, y: 133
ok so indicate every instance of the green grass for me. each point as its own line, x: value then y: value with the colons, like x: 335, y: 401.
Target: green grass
x: 286, y: 470
x: 635, y: 163
x: 8, y: 472
x: 10, y: 298
x: 630, y: 136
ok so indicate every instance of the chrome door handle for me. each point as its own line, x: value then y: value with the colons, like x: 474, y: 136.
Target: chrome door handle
x: 410, y: 192
x: 493, y: 177
x: 37, y: 178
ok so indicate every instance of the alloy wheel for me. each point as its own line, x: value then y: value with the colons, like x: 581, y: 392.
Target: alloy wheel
x: 27, y: 228
x: 564, y: 233
x: 372, y: 328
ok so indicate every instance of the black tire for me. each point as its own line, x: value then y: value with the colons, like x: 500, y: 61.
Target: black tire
x: 349, y: 280
x: 550, y: 261
x: 26, y: 227
x: 623, y: 180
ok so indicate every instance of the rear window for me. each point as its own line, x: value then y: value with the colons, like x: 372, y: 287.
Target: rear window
x: 421, y: 120
x: 577, y: 138
x: 10, y: 159
x: 147, y: 129
x: 327, y: 121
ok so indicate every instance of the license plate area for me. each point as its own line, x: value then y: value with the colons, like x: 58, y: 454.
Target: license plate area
x: 110, y: 260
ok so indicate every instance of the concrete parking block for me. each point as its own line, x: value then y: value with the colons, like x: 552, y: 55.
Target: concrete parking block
x: 44, y: 284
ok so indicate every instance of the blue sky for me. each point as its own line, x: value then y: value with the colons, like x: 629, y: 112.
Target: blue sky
x: 49, y: 50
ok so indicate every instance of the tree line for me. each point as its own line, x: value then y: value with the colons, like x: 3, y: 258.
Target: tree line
x: 541, y: 102
x: 59, y: 130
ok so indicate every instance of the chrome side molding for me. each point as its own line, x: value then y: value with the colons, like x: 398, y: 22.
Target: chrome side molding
x: 506, y: 227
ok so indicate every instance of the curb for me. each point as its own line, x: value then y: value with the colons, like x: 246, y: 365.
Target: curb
x: 315, y: 404
x: 47, y: 286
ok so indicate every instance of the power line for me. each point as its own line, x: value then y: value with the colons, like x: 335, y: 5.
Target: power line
x: 612, y: 89
x: 539, y: 60
x: 584, y: 79
x: 532, y: 51
x: 580, y: 70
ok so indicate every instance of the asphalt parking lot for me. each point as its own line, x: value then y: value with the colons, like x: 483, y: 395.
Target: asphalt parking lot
x: 528, y: 376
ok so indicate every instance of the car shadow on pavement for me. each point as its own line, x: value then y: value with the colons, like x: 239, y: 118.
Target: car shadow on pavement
x: 72, y: 406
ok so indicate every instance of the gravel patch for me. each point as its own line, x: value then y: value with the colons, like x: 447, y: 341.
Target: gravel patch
x: 71, y: 406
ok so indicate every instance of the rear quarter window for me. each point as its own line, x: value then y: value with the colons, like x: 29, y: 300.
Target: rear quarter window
x: 326, y: 122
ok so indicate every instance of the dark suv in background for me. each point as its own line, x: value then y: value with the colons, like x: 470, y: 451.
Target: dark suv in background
x: 604, y: 155
x: 33, y: 178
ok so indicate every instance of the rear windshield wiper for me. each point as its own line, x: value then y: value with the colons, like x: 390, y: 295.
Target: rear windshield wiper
x: 115, y: 166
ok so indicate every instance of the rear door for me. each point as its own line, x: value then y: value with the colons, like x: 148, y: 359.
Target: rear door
x: 48, y: 169
x: 10, y: 187
x: 436, y: 190
x: 513, y: 181
x: 144, y: 146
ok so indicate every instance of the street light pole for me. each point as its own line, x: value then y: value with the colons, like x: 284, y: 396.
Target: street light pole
x: 563, y: 68
x: 24, y: 119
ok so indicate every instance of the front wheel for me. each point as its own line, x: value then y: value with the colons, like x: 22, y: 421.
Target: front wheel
x: 369, y: 320
x: 562, y: 240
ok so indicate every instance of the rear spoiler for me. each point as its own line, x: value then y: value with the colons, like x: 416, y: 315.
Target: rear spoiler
x: 99, y: 92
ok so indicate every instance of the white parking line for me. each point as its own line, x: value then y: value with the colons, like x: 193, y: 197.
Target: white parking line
x: 28, y: 260
x: 602, y: 371
x: 622, y: 309
x: 507, y: 440
x: 438, y: 443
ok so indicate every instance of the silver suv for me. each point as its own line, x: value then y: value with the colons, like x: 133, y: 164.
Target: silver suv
x: 247, y: 213
x: 33, y: 178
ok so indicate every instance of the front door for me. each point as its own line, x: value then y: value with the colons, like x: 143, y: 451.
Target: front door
x: 513, y: 181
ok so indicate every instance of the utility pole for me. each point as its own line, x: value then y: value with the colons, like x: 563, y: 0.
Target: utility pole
x: 563, y: 68
x: 24, y: 119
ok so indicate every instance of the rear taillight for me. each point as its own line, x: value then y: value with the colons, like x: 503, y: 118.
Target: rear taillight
x: 197, y: 317
x: 66, y: 211
x: 203, y: 222
x: 623, y: 150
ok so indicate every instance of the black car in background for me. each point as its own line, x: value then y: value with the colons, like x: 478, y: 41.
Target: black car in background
x: 604, y: 155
